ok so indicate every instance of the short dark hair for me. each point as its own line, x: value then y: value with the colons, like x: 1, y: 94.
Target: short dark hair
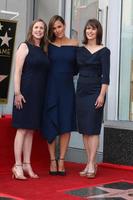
x: 95, y: 24
x: 51, y: 35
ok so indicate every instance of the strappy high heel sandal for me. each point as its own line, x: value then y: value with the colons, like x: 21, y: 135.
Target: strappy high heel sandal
x: 28, y: 170
x: 92, y: 174
x: 53, y: 172
x: 84, y: 172
x: 17, y: 173
x: 61, y: 172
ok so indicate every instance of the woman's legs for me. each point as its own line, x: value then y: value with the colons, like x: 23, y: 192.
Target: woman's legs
x: 86, y: 141
x: 27, y: 147
x: 93, y: 144
x: 64, y: 141
x: 53, y: 164
x: 86, y: 146
x: 18, y: 147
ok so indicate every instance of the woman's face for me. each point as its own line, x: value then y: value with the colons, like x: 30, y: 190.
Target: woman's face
x: 38, y: 30
x: 59, y: 29
x: 91, y: 32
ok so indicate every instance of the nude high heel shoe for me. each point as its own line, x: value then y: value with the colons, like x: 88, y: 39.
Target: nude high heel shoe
x: 92, y: 174
x: 84, y: 172
x: 17, y: 173
x: 28, y: 170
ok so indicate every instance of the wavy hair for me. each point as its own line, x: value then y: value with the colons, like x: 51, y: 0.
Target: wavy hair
x: 44, y: 41
x: 51, y: 35
x: 95, y: 24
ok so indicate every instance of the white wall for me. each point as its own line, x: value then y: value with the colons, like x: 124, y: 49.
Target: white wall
x: 23, y: 20
x: 114, y: 20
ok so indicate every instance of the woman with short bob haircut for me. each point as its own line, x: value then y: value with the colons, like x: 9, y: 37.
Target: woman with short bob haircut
x: 93, y: 60
x: 95, y: 24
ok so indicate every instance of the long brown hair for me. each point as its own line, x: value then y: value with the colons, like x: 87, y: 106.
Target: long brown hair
x: 51, y: 35
x: 29, y: 38
x: 95, y: 24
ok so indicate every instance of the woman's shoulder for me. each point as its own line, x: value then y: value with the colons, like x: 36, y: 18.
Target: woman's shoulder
x: 106, y: 50
x: 72, y: 42
x: 23, y: 48
x: 23, y: 45
x: 102, y: 49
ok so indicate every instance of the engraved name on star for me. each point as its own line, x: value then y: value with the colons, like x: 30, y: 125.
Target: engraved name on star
x: 1, y: 27
x: 5, y: 39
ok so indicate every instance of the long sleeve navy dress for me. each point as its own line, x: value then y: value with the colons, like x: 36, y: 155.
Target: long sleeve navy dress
x: 93, y: 72
x: 33, y: 88
x: 59, y: 110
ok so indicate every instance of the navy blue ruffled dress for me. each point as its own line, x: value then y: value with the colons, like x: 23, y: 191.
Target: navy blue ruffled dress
x: 93, y: 72
x: 59, y: 110
x: 33, y: 88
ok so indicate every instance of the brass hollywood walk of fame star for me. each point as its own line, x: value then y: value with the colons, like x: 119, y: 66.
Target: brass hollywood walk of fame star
x: 113, y: 193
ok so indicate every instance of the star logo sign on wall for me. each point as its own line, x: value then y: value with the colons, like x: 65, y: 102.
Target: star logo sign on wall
x: 5, y: 39
x: 1, y: 27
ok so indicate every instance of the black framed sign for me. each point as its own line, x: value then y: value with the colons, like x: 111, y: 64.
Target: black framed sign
x: 7, y: 40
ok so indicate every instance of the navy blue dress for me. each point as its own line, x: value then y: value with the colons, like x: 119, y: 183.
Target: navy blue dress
x: 33, y: 83
x: 93, y: 72
x: 59, y: 112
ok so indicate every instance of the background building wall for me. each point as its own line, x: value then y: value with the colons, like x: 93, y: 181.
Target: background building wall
x: 45, y: 9
x: 25, y: 10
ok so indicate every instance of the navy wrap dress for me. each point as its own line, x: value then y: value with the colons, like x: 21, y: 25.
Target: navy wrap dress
x: 93, y: 72
x: 59, y: 110
x: 33, y: 88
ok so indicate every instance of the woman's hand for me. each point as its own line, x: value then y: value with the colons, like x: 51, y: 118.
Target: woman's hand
x: 19, y: 100
x: 100, y: 101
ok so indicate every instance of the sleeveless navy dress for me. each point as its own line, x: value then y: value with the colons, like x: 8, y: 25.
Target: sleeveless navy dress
x: 33, y: 83
x: 59, y: 112
x: 93, y: 72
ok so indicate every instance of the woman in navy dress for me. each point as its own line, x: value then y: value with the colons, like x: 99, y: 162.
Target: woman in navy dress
x: 59, y: 115
x: 94, y: 63
x: 29, y: 83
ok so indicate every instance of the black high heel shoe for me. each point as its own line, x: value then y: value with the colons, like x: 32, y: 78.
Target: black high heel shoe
x: 61, y: 172
x: 54, y: 173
